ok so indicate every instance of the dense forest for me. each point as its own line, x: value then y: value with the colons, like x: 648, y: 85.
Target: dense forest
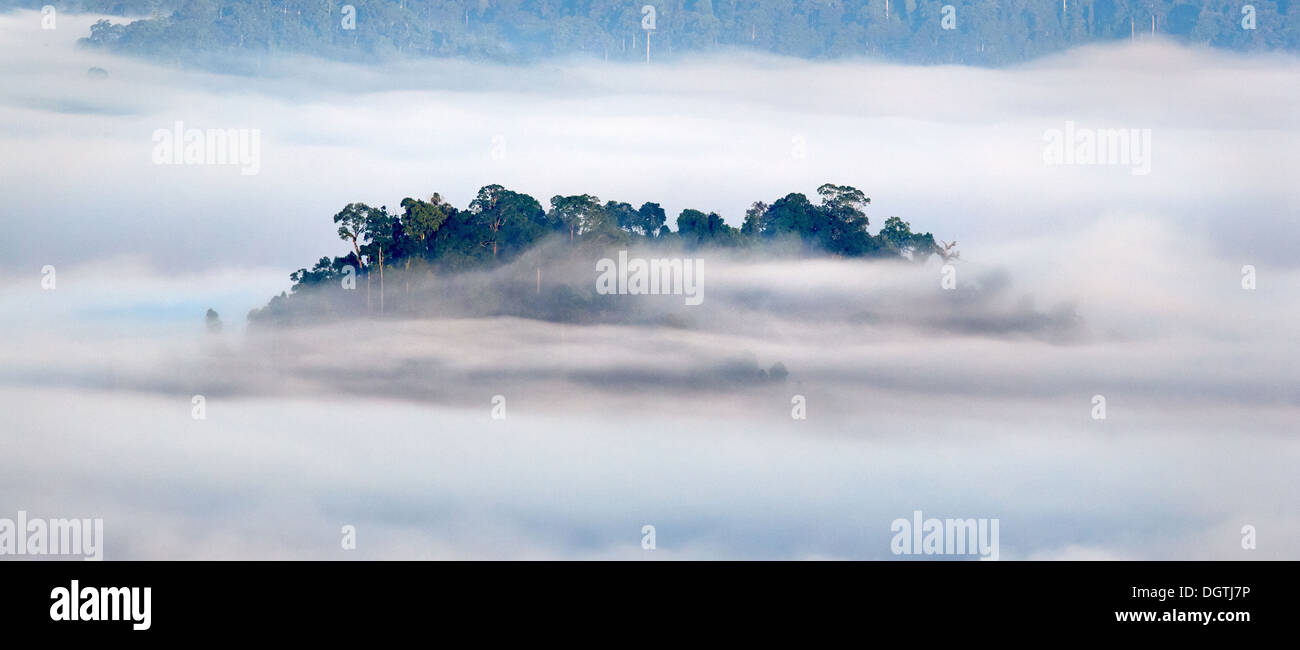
x: 985, y: 32
x: 392, y: 251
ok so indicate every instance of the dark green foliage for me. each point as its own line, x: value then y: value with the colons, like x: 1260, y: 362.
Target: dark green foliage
x: 420, y: 223
x: 512, y: 220
x: 698, y: 229
x: 576, y: 215
x: 897, y: 236
x: 754, y: 219
x: 501, y: 225
x: 651, y: 219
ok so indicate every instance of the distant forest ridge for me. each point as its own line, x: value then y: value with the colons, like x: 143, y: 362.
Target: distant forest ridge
x: 978, y: 32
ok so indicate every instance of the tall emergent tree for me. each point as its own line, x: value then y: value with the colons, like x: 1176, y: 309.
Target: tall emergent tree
x: 575, y: 214
x: 511, y: 219
x: 352, y: 220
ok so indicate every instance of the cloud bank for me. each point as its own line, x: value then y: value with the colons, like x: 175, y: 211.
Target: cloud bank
x: 1077, y: 281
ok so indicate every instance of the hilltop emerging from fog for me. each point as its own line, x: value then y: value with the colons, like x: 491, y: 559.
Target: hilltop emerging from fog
x: 433, y: 238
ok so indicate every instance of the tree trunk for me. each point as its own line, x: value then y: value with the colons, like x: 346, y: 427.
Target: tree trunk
x: 357, y: 250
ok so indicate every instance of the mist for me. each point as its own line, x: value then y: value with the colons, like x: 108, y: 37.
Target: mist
x: 957, y: 151
x: 1075, y: 281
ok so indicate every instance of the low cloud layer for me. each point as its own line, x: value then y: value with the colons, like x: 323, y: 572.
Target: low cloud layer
x: 956, y: 151
x: 386, y: 425
x: 976, y: 402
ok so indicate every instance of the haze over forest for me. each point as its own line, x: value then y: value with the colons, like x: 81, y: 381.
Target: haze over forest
x: 975, y: 32
x: 1073, y: 281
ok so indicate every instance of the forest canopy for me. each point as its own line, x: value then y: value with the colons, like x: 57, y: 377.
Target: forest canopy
x: 979, y: 32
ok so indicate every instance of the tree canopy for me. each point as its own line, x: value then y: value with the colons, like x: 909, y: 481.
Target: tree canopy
x: 500, y: 224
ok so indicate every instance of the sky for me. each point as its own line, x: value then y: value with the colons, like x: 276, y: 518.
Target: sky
x: 1075, y: 281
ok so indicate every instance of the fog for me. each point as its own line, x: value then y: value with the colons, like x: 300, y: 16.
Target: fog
x: 975, y: 402
x: 957, y: 151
